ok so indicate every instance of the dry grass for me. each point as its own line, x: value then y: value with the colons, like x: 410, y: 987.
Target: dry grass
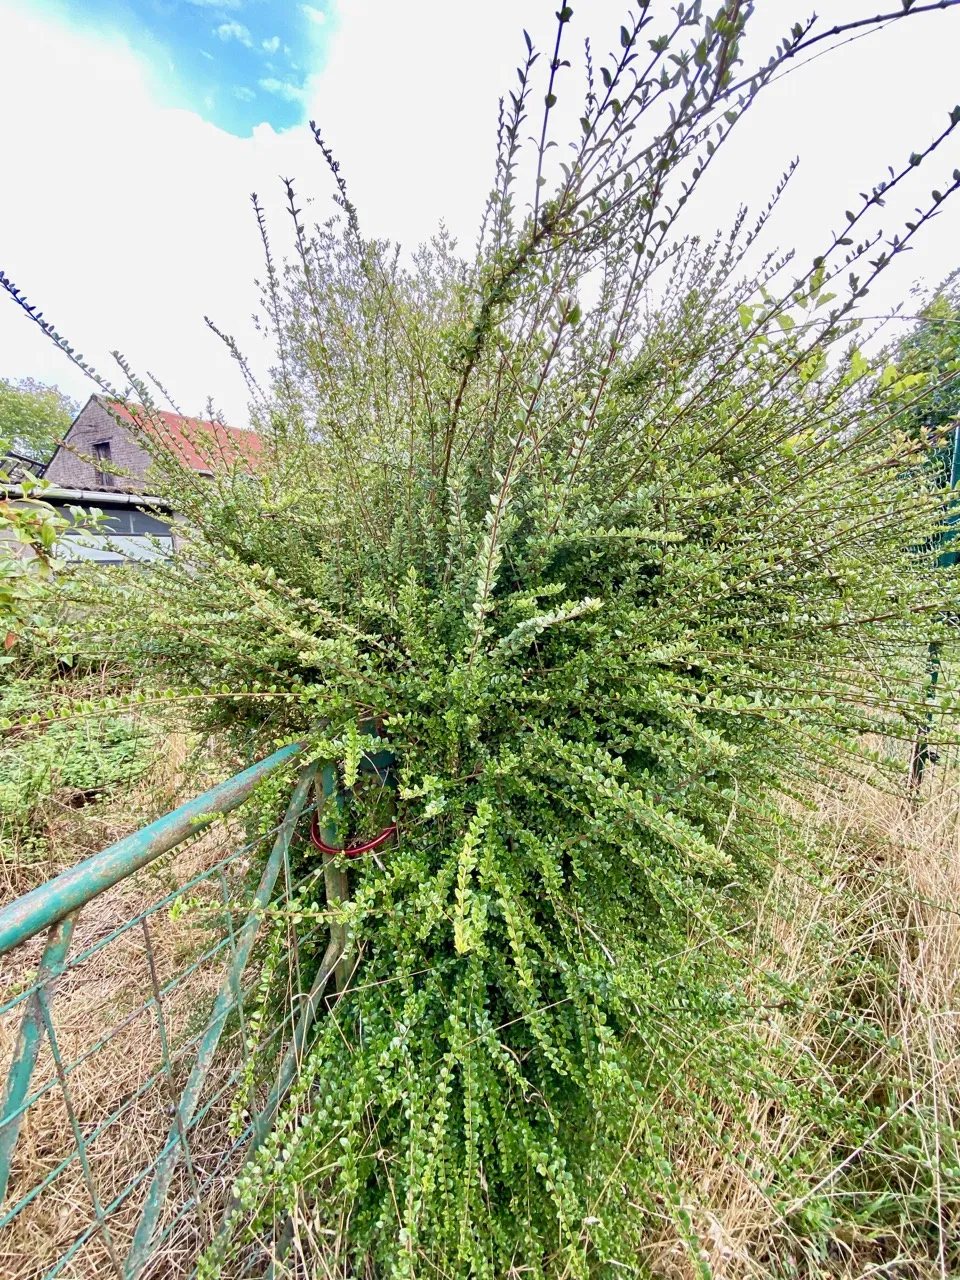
x: 866, y: 923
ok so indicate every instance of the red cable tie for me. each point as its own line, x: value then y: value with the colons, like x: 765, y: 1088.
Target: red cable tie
x: 353, y: 851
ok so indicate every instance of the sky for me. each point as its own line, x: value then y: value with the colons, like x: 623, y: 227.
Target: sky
x: 236, y: 63
x: 132, y: 133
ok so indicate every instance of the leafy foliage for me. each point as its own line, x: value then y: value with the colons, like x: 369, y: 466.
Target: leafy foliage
x: 29, y: 529
x: 34, y: 418
x: 927, y: 369
x: 73, y: 759
x: 932, y: 350
x: 616, y: 539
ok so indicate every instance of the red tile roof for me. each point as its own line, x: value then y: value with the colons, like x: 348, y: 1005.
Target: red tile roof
x: 199, y: 444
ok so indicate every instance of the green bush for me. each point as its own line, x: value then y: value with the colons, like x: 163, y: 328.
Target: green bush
x: 618, y: 539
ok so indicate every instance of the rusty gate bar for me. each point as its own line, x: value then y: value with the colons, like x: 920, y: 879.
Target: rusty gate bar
x: 132, y: 1244
x: 28, y: 1042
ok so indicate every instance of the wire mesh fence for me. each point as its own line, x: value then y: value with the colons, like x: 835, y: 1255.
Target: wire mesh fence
x: 128, y: 1030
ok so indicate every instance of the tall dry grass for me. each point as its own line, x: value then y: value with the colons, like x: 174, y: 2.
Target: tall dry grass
x: 859, y: 1174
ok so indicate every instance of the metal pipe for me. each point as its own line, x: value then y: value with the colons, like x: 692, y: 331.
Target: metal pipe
x: 70, y: 890
x: 337, y: 891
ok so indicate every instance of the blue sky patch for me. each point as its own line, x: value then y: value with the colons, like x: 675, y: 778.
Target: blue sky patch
x: 236, y: 63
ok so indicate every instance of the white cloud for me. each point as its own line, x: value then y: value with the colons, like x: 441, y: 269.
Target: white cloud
x: 315, y: 15
x: 208, y: 56
x: 282, y: 88
x: 114, y: 266
x: 271, y: 45
x: 243, y: 93
x: 234, y: 31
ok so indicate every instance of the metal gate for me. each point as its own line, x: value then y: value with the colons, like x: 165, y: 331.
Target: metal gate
x: 132, y: 1162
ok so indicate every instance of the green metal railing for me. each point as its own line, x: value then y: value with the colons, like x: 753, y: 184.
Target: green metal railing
x: 115, y: 1166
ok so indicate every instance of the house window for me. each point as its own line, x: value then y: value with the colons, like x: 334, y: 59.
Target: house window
x: 101, y: 451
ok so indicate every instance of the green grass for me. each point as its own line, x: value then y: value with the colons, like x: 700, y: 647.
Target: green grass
x: 53, y: 767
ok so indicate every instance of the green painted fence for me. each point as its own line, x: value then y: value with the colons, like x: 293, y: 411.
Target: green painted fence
x: 129, y: 1024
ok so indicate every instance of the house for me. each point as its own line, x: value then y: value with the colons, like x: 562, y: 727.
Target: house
x: 98, y: 434
x: 102, y: 465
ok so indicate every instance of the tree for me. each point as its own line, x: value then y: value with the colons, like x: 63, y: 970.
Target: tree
x: 29, y: 529
x: 34, y: 418
x: 928, y: 367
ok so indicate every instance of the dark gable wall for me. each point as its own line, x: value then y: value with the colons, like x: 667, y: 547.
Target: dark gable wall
x: 92, y: 424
